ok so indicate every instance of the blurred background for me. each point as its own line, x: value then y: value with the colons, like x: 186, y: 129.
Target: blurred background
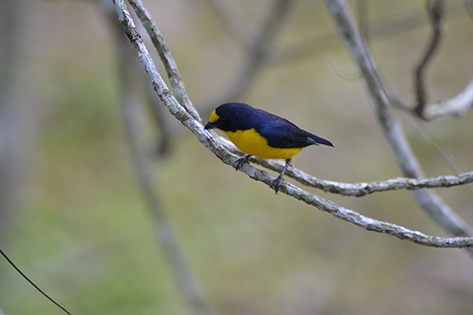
x: 74, y: 219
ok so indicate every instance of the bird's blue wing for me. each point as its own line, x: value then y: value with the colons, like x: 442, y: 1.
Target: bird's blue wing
x: 281, y: 133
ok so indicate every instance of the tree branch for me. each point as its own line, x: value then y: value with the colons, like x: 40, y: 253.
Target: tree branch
x: 357, y: 189
x: 213, y: 144
x: 362, y: 189
x: 457, y: 106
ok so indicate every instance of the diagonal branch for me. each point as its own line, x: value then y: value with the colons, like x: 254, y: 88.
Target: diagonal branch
x: 213, y: 144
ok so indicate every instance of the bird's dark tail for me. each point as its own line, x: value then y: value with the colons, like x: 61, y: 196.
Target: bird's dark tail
x: 318, y: 140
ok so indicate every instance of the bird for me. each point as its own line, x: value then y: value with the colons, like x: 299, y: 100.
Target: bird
x: 259, y: 133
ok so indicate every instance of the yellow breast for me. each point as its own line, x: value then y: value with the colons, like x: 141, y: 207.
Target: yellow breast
x: 250, y: 142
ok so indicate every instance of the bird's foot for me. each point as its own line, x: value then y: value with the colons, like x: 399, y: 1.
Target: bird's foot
x: 276, y: 184
x: 239, y: 163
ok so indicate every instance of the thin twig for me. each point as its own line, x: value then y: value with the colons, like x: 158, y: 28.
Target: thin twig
x: 358, y: 189
x: 435, y: 12
x: 362, y: 189
x: 213, y: 144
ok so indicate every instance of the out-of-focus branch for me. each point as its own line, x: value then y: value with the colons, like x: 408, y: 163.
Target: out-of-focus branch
x: 363, y: 19
x: 210, y: 141
x: 159, y: 114
x: 435, y: 11
x: 380, y: 29
x: 432, y: 204
x: 10, y: 144
x: 21, y: 108
x: 469, y: 7
x: 233, y: 22
x: 457, y: 106
x: 165, y: 135
x: 186, y: 281
x: 256, y: 53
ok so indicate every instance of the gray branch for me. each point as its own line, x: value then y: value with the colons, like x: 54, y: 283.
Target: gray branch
x: 357, y: 189
x: 457, y: 106
x: 362, y: 189
x: 210, y: 141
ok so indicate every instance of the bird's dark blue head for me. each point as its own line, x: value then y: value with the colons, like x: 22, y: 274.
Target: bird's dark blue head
x: 231, y: 117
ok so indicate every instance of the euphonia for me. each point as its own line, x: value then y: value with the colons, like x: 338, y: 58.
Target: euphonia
x: 259, y: 133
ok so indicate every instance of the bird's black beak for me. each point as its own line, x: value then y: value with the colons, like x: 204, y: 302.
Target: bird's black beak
x: 210, y: 125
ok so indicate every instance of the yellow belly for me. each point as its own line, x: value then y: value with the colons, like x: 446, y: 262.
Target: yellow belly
x: 250, y: 142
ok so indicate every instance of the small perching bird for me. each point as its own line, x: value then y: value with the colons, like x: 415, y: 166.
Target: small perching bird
x: 259, y: 133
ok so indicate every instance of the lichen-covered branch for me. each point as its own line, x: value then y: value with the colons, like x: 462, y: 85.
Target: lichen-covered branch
x: 358, y: 189
x: 363, y: 189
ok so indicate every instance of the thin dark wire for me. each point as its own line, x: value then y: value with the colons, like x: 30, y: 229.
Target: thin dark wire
x: 32, y: 283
